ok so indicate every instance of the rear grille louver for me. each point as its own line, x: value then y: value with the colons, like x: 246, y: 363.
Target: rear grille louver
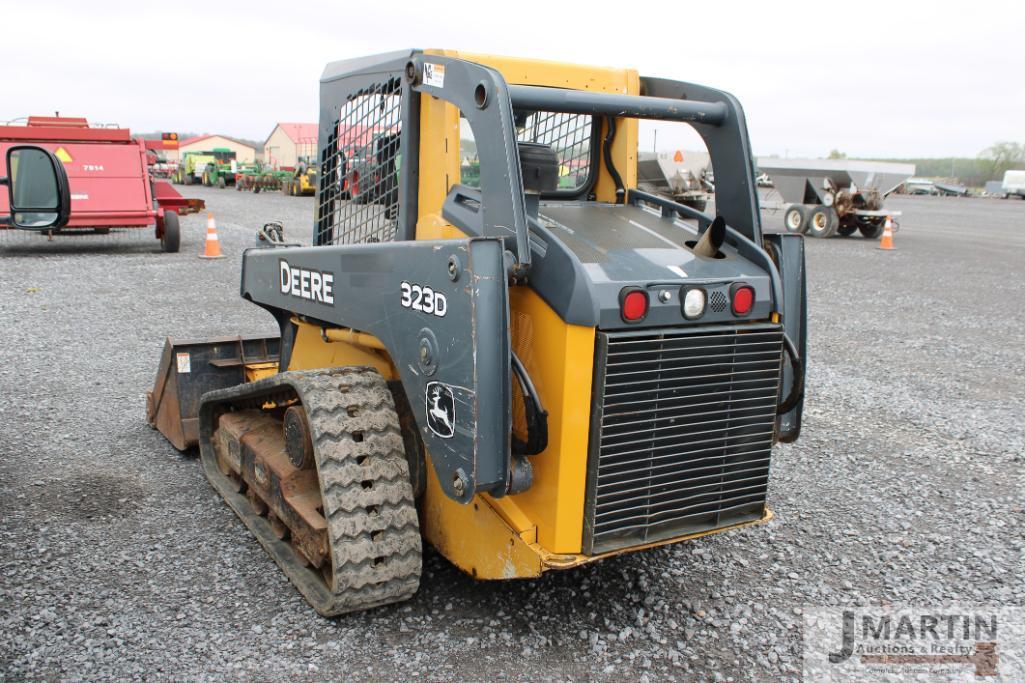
x: 681, y: 432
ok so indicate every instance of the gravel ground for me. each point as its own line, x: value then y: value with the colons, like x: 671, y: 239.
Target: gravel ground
x: 117, y: 560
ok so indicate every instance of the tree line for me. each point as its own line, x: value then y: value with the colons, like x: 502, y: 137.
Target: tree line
x: 990, y: 164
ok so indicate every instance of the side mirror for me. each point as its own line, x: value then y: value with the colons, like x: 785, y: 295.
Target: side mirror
x: 37, y: 189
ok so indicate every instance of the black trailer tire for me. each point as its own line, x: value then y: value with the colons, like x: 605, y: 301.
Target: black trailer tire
x: 696, y: 204
x: 871, y: 229
x: 822, y: 221
x: 187, y: 178
x: 847, y: 226
x: 171, y: 240
x: 221, y: 183
x: 795, y: 219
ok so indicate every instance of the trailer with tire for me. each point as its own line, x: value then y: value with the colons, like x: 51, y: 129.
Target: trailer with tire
x: 827, y: 197
x: 111, y: 188
x: 679, y: 177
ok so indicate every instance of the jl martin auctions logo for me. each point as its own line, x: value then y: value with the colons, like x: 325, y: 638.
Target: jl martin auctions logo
x: 930, y: 639
x: 306, y: 283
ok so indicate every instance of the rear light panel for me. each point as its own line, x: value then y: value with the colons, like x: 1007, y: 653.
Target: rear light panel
x: 704, y: 301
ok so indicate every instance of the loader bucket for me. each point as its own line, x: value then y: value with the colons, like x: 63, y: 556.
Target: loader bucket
x: 189, y: 369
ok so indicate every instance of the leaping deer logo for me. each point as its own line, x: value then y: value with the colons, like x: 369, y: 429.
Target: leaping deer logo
x: 440, y: 410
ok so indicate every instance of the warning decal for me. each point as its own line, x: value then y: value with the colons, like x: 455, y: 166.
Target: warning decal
x: 434, y: 74
x: 184, y: 362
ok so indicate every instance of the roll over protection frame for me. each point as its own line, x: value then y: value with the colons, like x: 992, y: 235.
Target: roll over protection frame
x: 489, y: 103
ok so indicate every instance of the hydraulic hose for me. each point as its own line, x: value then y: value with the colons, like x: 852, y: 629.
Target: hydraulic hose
x: 610, y: 135
x: 797, y: 386
x: 536, y: 415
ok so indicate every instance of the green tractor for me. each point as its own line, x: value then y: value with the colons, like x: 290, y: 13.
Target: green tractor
x: 191, y: 169
x: 220, y: 171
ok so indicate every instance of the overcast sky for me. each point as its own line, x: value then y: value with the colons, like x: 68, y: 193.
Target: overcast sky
x: 873, y: 79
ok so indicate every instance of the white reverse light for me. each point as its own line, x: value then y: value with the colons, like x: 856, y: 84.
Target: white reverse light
x: 694, y: 303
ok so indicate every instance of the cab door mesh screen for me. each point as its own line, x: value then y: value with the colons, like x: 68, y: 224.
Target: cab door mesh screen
x: 359, y: 191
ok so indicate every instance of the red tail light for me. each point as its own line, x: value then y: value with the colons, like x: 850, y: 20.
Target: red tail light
x: 633, y: 305
x: 743, y: 298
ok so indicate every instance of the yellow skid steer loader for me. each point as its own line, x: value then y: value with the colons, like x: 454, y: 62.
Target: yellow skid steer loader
x: 520, y: 358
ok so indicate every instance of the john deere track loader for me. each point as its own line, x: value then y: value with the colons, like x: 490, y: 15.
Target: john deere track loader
x: 529, y: 374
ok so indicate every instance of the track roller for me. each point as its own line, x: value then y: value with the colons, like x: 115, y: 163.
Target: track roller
x: 313, y: 463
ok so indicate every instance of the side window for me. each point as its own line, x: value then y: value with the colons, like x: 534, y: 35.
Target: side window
x: 469, y: 162
x: 359, y: 189
x: 673, y: 162
x: 568, y: 134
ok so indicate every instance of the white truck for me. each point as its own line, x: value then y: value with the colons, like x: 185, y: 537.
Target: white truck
x: 1014, y: 184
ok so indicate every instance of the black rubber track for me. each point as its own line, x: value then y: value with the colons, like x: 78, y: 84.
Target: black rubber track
x: 364, y: 480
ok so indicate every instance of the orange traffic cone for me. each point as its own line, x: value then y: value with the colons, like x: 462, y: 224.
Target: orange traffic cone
x: 212, y: 246
x: 887, y: 241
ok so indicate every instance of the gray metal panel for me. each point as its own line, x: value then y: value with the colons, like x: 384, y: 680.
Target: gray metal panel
x: 789, y: 175
x: 790, y: 255
x: 470, y: 342
x: 503, y: 209
x: 650, y: 170
x: 609, y: 247
x: 712, y: 112
x: 372, y: 64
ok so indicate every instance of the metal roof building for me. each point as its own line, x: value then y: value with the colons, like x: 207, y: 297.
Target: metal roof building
x: 289, y: 141
x: 244, y: 153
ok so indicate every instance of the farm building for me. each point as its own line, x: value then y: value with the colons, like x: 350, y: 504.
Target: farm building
x: 289, y: 141
x: 204, y: 143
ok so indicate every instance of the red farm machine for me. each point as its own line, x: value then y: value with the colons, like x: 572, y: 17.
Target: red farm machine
x: 111, y: 184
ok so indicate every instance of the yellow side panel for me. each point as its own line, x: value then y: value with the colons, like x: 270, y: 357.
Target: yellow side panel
x: 474, y: 537
x: 312, y: 352
x: 624, y: 156
x: 439, y: 166
x: 559, y: 359
x: 554, y: 74
x: 255, y: 371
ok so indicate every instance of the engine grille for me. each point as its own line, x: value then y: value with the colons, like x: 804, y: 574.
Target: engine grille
x: 681, y: 431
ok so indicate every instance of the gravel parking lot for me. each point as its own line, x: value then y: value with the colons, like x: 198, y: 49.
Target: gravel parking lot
x: 118, y: 561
